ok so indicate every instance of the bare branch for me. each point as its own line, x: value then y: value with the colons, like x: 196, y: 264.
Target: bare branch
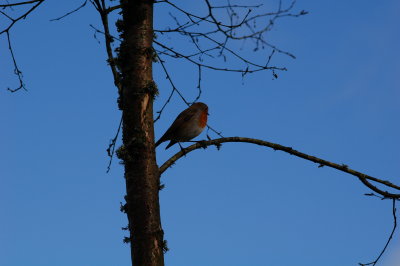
x: 101, y: 8
x: 198, y: 84
x: 6, y: 31
x: 111, y: 9
x: 213, y: 130
x: 174, y: 89
x: 71, y: 12
x: 321, y: 162
x: 21, y: 3
x: 23, y: 16
x: 111, y: 146
x: 243, y: 71
x: 210, y: 17
x: 17, y: 71
x: 385, y: 194
x: 390, y: 237
x: 200, y: 35
x: 213, y: 37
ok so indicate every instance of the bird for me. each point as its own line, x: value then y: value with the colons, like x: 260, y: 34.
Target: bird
x: 188, y: 125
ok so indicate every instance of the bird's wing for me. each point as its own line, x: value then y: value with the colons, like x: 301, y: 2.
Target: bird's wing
x: 182, y: 118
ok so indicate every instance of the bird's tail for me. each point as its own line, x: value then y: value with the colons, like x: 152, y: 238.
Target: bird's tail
x: 172, y: 142
x: 159, y: 142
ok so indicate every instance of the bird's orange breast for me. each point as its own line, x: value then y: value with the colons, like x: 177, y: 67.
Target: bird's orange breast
x: 203, y: 119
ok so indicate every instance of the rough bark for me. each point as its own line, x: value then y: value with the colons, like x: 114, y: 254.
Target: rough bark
x: 138, y: 154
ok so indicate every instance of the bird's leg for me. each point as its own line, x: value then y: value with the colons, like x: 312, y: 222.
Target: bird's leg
x: 182, y: 149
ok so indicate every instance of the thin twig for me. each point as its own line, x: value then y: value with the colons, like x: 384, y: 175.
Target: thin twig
x: 17, y: 71
x: 390, y: 237
x: 111, y: 9
x: 102, y: 9
x: 71, y: 12
x: 111, y: 146
x: 23, y: 16
x: 6, y: 31
x: 242, y: 71
x: 21, y: 3
x: 174, y: 89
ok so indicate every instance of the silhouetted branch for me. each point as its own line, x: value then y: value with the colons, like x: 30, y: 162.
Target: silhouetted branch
x: 198, y: 84
x: 17, y: 71
x: 213, y: 33
x: 6, y: 30
x: 102, y: 9
x: 344, y: 168
x: 235, y: 22
x: 111, y: 146
x: 20, y: 3
x: 385, y: 194
x: 71, y: 12
x: 390, y: 237
x: 102, y: 33
x: 176, y: 54
x: 112, y: 8
x: 174, y: 89
x: 23, y: 16
x: 213, y: 130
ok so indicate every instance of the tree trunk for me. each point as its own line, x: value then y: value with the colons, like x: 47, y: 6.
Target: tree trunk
x: 138, y: 153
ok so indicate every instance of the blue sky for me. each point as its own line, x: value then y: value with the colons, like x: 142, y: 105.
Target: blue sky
x: 242, y: 205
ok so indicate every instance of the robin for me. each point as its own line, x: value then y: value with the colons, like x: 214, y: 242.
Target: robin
x: 188, y: 125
